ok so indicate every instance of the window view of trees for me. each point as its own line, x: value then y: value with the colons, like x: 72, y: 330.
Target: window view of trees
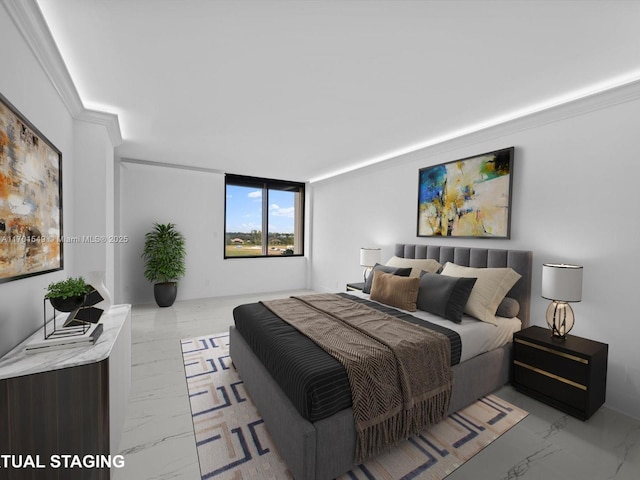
x: 254, y: 206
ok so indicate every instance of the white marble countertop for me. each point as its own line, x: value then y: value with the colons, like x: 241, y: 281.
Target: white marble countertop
x: 18, y: 363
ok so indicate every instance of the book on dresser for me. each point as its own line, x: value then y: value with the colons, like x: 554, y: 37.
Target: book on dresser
x: 65, y: 341
x: 569, y: 374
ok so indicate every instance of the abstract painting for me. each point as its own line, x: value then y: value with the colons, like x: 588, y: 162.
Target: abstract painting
x: 470, y: 197
x: 30, y: 199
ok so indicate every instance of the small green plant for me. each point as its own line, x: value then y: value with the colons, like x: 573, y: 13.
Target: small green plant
x: 164, y: 252
x: 71, y: 287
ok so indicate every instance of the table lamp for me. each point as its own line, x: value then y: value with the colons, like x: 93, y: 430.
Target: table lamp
x: 561, y: 284
x: 368, y: 259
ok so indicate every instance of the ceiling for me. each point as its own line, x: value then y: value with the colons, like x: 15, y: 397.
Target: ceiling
x: 302, y: 90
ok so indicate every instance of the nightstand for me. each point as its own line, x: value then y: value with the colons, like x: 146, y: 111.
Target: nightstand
x: 570, y: 374
x: 355, y: 286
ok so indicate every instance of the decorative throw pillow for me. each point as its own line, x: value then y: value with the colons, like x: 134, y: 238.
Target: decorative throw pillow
x: 508, y: 308
x: 492, y: 286
x: 417, y: 265
x: 395, y: 291
x: 443, y: 295
x: 402, y: 272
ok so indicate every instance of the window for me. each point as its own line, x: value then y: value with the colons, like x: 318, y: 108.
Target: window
x: 254, y: 206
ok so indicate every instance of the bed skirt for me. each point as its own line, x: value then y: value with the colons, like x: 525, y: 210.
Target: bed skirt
x: 325, y: 449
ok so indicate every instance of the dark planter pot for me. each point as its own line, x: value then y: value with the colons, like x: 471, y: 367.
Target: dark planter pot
x: 68, y: 304
x: 165, y: 293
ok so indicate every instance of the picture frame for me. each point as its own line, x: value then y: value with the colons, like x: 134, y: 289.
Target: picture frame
x: 467, y: 198
x: 30, y: 199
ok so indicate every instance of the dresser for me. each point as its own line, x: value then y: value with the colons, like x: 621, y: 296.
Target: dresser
x: 70, y: 401
x: 570, y: 374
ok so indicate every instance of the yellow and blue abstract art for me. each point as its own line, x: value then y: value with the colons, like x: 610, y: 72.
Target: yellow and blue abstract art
x: 470, y: 197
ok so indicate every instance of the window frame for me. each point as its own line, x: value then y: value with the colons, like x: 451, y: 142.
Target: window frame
x: 266, y: 184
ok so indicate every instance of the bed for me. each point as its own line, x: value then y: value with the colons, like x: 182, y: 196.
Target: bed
x: 322, y: 448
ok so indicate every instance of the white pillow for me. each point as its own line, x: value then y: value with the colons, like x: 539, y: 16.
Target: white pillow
x: 492, y: 286
x: 416, y: 264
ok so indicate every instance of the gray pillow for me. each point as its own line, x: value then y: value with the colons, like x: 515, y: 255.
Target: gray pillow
x: 402, y: 272
x: 508, y: 308
x: 444, y: 296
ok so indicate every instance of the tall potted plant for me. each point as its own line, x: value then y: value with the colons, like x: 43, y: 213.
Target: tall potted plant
x: 164, y: 253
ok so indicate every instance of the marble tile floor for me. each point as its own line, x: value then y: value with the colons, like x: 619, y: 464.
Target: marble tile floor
x: 158, y: 441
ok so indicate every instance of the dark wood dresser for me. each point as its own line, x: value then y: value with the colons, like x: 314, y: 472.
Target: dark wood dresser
x: 570, y: 374
x: 66, y: 402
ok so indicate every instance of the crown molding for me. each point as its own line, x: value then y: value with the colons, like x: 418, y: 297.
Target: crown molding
x: 109, y: 120
x: 553, y: 111
x: 27, y: 17
x: 587, y: 103
x: 152, y: 163
x: 29, y: 20
x: 550, y: 114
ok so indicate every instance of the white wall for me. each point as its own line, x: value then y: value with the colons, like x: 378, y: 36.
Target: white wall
x: 575, y: 200
x: 93, y: 178
x: 27, y: 87
x: 87, y: 152
x: 194, y: 201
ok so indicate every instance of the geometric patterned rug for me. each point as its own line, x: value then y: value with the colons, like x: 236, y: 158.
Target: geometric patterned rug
x: 233, y: 443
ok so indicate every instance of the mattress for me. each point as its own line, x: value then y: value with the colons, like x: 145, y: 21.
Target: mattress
x: 314, y: 381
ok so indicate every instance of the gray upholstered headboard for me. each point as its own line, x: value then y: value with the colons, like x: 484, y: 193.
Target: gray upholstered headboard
x: 519, y: 260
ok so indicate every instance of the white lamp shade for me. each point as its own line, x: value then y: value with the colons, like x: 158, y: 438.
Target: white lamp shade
x: 369, y: 256
x: 562, y: 282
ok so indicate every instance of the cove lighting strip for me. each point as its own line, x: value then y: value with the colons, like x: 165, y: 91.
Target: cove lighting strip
x: 610, y: 84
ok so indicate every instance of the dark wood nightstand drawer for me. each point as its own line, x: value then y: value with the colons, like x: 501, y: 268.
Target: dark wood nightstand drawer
x: 570, y: 367
x: 570, y: 394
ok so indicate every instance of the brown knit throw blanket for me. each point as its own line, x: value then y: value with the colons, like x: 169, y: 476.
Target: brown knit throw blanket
x: 399, y: 373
